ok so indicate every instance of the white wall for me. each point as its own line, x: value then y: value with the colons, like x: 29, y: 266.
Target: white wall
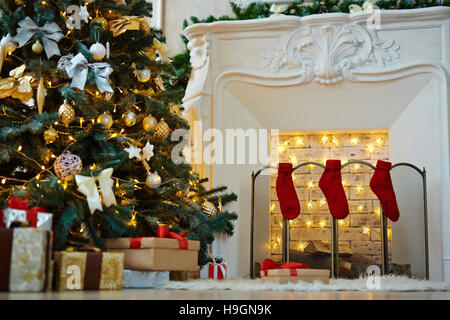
x: 170, y: 14
x: 238, y: 179
x: 415, y: 138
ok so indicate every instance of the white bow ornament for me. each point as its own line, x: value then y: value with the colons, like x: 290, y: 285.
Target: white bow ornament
x: 88, y: 187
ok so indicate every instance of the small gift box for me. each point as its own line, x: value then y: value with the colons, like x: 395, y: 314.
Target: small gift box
x: 217, y: 269
x: 25, y: 255
x: 292, y: 272
x: 168, y: 251
x: 18, y: 211
x: 89, y: 270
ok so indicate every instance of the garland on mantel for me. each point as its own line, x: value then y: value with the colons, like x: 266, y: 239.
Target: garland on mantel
x: 246, y: 10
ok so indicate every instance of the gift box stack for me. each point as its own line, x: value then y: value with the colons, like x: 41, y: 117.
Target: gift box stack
x: 25, y: 248
x: 26, y: 263
x: 166, y: 252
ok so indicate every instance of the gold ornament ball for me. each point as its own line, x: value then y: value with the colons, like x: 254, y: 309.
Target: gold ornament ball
x: 37, y: 47
x: 129, y: 118
x: 19, y: 2
x: 162, y: 130
x: 153, y: 180
x: 209, y: 209
x: 105, y: 119
x: 149, y: 122
x: 100, y: 21
x: 50, y: 135
x: 66, y: 113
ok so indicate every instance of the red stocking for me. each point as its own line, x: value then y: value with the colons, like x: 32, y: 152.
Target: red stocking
x: 381, y: 185
x: 289, y: 204
x: 331, y: 185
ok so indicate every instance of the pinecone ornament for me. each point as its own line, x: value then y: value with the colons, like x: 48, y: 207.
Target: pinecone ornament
x: 323, y: 9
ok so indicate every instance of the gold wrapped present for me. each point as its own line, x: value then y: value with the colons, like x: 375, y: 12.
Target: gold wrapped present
x: 25, y: 255
x: 89, y: 270
x: 286, y: 275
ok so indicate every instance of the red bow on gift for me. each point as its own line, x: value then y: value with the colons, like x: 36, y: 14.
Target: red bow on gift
x: 269, y: 264
x: 163, y: 232
x: 32, y: 213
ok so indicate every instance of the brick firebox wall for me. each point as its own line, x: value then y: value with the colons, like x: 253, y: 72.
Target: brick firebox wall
x: 360, y: 231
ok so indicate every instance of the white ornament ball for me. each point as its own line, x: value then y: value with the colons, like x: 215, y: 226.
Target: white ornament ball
x: 144, y: 75
x: 67, y: 165
x: 98, y: 51
x: 153, y: 180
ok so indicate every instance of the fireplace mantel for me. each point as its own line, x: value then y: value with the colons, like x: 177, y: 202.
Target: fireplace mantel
x: 328, y: 64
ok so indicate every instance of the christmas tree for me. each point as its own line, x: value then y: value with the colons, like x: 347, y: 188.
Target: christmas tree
x: 88, y: 105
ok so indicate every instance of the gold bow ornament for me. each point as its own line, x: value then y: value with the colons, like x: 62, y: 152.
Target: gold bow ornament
x: 162, y: 50
x: 19, y: 85
x: 7, y: 46
x: 88, y: 187
x: 120, y: 26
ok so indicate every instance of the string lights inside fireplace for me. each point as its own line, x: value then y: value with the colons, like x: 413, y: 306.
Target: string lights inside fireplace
x: 335, y: 222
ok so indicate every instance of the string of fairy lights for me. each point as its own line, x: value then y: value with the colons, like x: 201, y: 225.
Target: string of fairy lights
x: 68, y: 129
x: 285, y: 149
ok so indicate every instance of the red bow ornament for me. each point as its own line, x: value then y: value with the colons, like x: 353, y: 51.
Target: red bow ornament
x: 18, y: 211
x: 269, y: 264
x: 163, y: 232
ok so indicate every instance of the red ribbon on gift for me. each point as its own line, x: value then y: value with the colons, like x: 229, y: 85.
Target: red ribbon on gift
x: 269, y: 264
x: 163, y: 232
x: 32, y: 213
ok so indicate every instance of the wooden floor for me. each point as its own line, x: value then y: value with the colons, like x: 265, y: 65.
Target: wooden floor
x: 149, y: 294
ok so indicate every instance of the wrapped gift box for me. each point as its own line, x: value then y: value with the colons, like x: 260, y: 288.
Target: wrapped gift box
x: 88, y: 270
x: 25, y: 255
x: 156, y: 254
x: 145, y: 279
x: 295, y: 275
x: 18, y: 211
x: 217, y: 271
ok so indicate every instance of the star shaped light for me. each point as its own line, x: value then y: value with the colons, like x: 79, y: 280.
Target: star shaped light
x: 133, y: 152
x: 148, y: 151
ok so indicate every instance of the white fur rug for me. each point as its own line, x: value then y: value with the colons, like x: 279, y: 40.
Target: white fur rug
x: 386, y: 283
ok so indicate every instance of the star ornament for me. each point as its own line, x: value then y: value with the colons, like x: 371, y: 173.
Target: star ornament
x: 84, y: 14
x: 133, y: 152
x: 148, y: 151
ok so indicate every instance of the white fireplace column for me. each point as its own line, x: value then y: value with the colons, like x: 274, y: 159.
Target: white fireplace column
x: 331, y: 72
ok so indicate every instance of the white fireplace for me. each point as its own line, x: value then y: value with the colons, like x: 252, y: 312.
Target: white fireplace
x: 326, y: 73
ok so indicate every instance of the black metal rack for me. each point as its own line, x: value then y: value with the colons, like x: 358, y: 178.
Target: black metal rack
x: 334, y: 226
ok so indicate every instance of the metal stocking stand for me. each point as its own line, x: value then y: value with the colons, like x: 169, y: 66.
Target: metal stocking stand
x: 334, y: 226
